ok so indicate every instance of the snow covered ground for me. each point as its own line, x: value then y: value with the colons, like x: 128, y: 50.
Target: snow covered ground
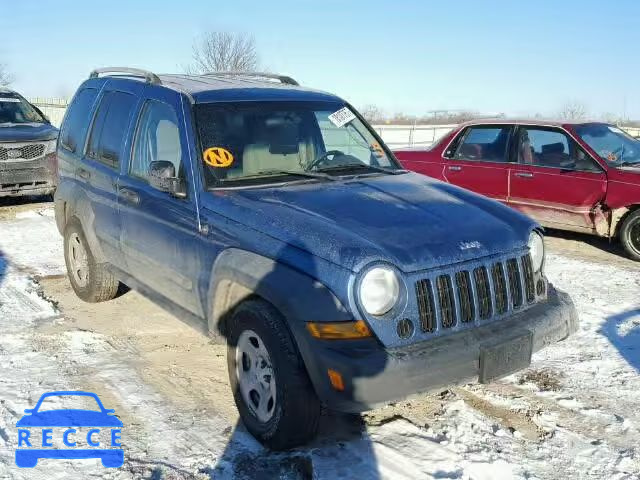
x: 574, y: 414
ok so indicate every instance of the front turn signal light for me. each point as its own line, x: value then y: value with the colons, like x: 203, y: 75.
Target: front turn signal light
x: 339, y: 330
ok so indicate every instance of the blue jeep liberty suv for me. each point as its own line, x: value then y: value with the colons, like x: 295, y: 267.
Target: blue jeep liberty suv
x: 272, y: 217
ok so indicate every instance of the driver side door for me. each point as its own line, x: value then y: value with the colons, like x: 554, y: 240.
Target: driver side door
x: 160, y: 238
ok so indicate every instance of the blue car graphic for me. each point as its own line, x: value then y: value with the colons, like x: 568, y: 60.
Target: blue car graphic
x: 28, y: 457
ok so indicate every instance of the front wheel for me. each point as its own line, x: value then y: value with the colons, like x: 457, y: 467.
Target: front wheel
x: 270, y: 385
x: 630, y: 235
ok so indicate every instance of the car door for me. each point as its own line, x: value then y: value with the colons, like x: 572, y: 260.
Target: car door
x: 555, y: 181
x: 160, y: 231
x: 478, y: 160
x: 99, y: 168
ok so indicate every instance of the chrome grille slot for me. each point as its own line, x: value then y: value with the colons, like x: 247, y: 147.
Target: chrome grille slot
x: 481, y: 277
x: 529, y: 282
x: 446, y: 301
x: 426, y: 308
x: 465, y: 294
x: 500, y: 287
x: 515, y: 286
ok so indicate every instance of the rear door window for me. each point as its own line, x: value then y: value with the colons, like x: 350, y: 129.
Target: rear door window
x: 77, y: 118
x: 485, y: 143
x: 110, y: 127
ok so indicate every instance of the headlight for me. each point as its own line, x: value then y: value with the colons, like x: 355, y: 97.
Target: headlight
x: 50, y: 147
x: 379, y: 290
x: 536, y: 248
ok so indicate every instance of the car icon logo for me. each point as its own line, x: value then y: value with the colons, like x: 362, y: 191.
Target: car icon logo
x: 36, y: 431
x: 14, y: 153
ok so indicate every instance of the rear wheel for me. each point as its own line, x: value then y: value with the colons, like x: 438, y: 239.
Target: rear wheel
x: 270, y: 385
x: 630, y: 235
x: 91, y: 281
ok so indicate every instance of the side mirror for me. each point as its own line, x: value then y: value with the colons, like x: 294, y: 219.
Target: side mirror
x: 28, y: 410
x: 162, y: 176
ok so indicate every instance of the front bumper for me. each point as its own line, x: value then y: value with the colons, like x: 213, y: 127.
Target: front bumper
x: 32, y: 177
x: 373, y: 375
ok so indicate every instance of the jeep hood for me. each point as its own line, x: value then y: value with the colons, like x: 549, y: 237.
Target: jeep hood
x: 27, y: 132
x: 410, y: 220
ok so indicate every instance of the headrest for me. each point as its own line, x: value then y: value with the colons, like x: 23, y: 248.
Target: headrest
x: 553, y: 148
x: 283, y: 135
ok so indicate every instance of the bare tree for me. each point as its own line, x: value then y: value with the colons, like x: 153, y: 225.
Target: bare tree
x: 5, y: 76
x: 372, y: 113
x: 224, y: 51
x: 573, y: 110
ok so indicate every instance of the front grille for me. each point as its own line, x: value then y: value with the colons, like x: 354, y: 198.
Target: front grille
x: 514, y: 282
x: 27, y: 151
x: 424, y: 295
x: 446, y: 301
x: 463, y: 283
x: 500, y: 287
x: 484, y: 292
x: 475, y: 294
x: 529, y: 284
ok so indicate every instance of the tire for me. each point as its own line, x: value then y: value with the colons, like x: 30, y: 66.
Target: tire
x: 295, y: 412
x: 91, y: 281
x: 630, y: 235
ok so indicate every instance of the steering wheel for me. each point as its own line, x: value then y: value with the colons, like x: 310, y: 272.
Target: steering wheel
x: 324, y: 158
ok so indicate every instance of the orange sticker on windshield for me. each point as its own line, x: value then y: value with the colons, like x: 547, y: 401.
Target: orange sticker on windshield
x: 377, y: 149
x: 218, y: 157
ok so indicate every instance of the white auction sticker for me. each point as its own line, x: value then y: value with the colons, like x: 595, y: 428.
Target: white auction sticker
x: 9, y: 99
x: 342, y: 117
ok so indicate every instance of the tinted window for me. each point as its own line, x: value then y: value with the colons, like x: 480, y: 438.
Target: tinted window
x: 484, y: 143
x: 157, y: 139
x: 77, y: 119
x: 110, y: 127
x: 548, y: 147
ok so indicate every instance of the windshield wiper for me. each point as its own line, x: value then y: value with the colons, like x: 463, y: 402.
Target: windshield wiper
x: 295, y: 173
x: 360, y: 166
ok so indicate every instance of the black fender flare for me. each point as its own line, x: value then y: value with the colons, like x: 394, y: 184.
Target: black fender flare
x: 72, y: 202
x: 238, y: 274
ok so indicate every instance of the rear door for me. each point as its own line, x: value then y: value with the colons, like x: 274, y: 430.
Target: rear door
x: 160, y: 237
x: 106, y: 145
x: 478, y: 160
x: 555, y: 181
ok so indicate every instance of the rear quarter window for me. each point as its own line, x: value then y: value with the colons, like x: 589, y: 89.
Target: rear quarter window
x: 77, y: 119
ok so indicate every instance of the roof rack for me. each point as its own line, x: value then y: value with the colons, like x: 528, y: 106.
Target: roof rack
x: 282, y: 78
x: 149, y: 77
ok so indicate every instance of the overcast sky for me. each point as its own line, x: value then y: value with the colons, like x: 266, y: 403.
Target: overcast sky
x: 514, y: 57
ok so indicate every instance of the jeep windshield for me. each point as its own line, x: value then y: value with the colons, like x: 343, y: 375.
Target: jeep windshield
x: 612, y: 144
x: 253, y: 143
x: 15, y: 109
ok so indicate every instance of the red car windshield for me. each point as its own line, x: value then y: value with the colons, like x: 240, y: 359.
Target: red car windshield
x: 613, y: 145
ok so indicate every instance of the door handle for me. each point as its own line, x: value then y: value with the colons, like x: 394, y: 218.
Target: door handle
x: 82, y: 173
x: 455, y: 168
x: 524, y: 174
x: 129, y: 196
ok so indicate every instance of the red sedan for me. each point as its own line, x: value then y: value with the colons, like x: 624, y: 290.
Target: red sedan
x: 583, y: 177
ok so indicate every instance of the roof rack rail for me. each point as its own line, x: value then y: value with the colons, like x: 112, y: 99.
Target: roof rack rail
x: 149, y: 77
x: 282, y: 78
